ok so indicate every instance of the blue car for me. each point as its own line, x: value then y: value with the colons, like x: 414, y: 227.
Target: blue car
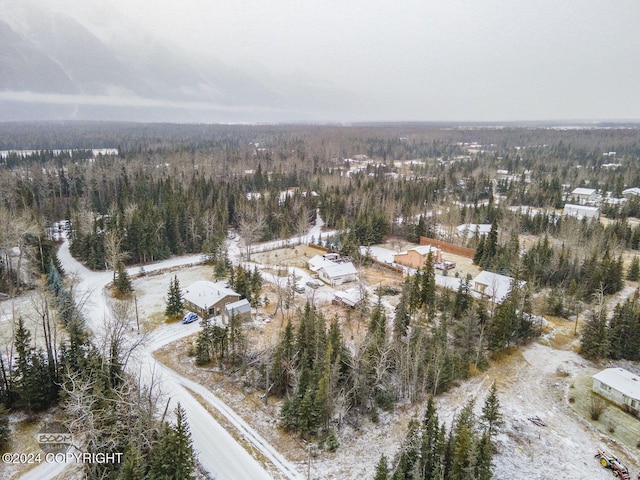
x: 189, y: 317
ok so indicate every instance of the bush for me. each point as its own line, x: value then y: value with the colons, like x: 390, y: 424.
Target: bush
x: 596, y: 407
x: 332, y: 442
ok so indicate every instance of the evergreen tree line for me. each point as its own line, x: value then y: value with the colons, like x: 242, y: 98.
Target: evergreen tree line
x: 615, y: 337
x: 433, y: 341
x: 549, y: 266
x: 429, y: 452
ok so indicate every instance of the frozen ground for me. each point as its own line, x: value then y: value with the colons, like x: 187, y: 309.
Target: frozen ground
x: 534, y: 382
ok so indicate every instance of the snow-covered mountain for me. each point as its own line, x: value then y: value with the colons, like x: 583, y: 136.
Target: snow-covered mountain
x: 52, y: 66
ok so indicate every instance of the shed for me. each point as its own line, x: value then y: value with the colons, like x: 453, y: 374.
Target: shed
x: 241, y: 308
x: 620, y: 386
x: 350, y: 297
x: 208, y: 299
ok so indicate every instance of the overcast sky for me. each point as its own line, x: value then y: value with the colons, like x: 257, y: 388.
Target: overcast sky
x: 462, y: 60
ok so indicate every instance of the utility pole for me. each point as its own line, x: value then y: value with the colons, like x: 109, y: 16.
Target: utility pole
x: 266, y: 387
x: 135, y: 300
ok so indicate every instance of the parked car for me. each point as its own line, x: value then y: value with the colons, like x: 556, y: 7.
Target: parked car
x: 189, y: 317
x: 314, y: 284
x: 299, y: 288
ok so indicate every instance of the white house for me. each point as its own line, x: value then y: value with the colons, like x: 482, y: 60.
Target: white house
x: 620, y: 386
x: 208, y: 299
x: 493, y: 286
x: 584, y: 195
x: 468, y: 230
x: 580, y: 211
x: 338, y: 273
x: 631, y: 192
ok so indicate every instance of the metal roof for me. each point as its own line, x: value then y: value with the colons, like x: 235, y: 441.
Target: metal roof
x: 622, y: 380
x: 205, y: 294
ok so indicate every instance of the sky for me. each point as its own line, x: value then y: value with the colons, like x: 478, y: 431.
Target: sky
x: 453, y: 60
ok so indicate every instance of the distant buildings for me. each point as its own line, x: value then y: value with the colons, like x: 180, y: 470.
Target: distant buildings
x: 584, y: 195
x: 469, y: 230
x: 631, y: 192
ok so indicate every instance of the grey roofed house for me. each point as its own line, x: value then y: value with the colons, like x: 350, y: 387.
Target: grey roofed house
x: 208, y: 299
x: 493, y: 286
x: 620, y: 386
x: 338, y: 273
x: 580, y: 211
x: 584, y: 194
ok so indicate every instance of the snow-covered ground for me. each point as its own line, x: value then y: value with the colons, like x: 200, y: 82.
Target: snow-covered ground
x: 535, y: 382
x: 219, y: 453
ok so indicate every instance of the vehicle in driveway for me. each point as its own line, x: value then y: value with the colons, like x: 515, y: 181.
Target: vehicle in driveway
x: 299, y: 288
x: 189, y: 317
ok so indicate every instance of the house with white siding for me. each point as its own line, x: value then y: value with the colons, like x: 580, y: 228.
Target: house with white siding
x: 584, y: 195
x: 580, y: 211
x: 620, y: 386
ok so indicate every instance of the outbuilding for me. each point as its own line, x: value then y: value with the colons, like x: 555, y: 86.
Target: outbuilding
x: 241, y: 309
x: 620, y: 386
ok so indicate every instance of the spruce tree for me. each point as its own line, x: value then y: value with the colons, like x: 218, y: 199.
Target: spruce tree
x: 429, y: 455
x: 382, y: 469
x: 595, y: 335
x: 133, y: 464
x: 175, y: 306
x: 483, y: 469
x: 491, y: 417
x: 634, y: 269
x: 182, y: 446
x: 172, y: 455
x: 122, y: 282
x: 5, y: 431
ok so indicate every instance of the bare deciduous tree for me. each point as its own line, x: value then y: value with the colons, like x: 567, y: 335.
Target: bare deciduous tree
x: 251, y: 226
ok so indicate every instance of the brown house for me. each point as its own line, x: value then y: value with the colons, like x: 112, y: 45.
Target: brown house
x: 417, y: 256
x: 208, y: 299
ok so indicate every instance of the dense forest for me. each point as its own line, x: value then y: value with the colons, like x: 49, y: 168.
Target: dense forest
x: 175, y: 189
